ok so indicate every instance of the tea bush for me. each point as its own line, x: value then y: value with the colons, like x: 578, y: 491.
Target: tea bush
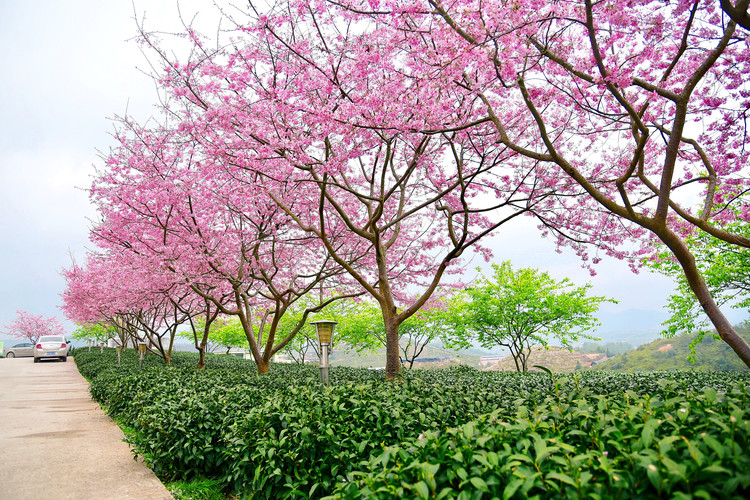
x: 575, y: 446
x: 281, y: 435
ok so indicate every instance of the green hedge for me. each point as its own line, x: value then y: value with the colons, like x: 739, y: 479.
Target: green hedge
x: 281, y: 435
x: 576, y: 446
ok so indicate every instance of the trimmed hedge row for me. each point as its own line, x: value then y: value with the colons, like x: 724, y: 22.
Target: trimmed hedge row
x: 576, y: 446
x: 281, y: 435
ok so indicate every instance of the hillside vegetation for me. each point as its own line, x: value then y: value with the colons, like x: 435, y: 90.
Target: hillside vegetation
x: 673, y: 353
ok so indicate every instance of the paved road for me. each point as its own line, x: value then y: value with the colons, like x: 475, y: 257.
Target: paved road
x: 57, y: 443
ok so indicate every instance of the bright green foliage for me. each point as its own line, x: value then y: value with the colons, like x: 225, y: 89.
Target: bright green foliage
x: 353, y: 319
x: 228, y: 335
x: 520, y: 308
x: 281, y: 435
x: 96, y: 333
x: 673, y: 353
x: 577, y: 445
x: 724, y: 267
x: 224, y: 334
x: 361, y: 326
x: 306, y: 340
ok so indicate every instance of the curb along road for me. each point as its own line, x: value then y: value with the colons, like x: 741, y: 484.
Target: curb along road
x: 57, y: 443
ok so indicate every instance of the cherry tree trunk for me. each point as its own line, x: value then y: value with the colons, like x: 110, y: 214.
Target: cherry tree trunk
x: 201, y: 357
x: 725, y: 329
x: 392, y: 359
x: 262, y: 365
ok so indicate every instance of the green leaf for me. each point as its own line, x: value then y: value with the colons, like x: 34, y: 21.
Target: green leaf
x: 652, y: 472
x: 647, y: 433
x: 674, y: 468
x: 544, y: 369
x: 422, y: 490
x: 511, y: 488
x: 461, y: 473
x: 480, y: 484
x: 717, y: 469
x: 666, y: 444
x: 561, y: 477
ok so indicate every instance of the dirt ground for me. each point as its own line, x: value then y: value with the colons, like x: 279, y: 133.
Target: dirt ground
x: 57, y: 443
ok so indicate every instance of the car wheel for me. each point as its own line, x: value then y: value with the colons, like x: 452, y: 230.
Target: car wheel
x: 65, y: 358
x: 36, y: 360
x: 10, y: 355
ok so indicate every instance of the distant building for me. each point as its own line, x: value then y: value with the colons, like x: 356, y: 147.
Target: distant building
x: 239, y: 352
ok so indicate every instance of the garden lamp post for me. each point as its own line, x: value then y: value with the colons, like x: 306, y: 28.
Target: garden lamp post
x: 324, y: 329
x: 142, y: 351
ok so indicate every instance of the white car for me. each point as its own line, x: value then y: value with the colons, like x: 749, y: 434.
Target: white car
x: 22, y: 350
x: 51, y: 346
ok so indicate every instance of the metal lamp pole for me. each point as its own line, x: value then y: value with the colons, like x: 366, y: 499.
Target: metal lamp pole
x: 142, y: 351
x: 324, y: 330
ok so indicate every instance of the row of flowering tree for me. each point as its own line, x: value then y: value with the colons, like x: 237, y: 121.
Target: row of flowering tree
x: 366, y: 146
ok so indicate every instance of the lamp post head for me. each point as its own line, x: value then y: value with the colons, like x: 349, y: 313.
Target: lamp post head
x: 324, y: 329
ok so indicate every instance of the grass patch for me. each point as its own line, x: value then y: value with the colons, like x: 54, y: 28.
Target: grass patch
x: 196, y: 489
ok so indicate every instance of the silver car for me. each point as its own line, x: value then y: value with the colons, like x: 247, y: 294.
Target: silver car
x: 22, y: 350
x: 51, y: 346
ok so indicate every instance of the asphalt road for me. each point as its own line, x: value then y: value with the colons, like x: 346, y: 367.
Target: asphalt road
x: 57, y: 443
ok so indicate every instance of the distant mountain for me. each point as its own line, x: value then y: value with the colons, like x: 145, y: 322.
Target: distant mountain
x: 672, y: 354
x: 633, y: 320
x: 634, y: 326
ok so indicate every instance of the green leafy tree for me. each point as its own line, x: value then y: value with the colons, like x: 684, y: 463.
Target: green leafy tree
x: 726, y: 270
x: 305, y: 341
x: 361, y: 326
x: 227, y: 335
x: 354, y: 323
x: 517, y: 309
x: 96, y: 333
x: 224, y: 333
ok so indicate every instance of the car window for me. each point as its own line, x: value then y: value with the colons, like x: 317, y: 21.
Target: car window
x: 50, y: 339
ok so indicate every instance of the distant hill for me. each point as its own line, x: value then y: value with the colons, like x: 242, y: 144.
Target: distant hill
x: 634, y: 326
x: 555, y: 359
x: 672, y: 354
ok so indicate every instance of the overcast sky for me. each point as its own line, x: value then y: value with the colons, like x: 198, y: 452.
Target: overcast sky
x: 67, y: 68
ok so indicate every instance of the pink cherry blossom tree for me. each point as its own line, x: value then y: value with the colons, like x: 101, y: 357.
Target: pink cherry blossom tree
x: 142, y: 304
x: 165, y: 201
x: 352, y: 151
x: 635, y: 111
x: 31, y: 327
